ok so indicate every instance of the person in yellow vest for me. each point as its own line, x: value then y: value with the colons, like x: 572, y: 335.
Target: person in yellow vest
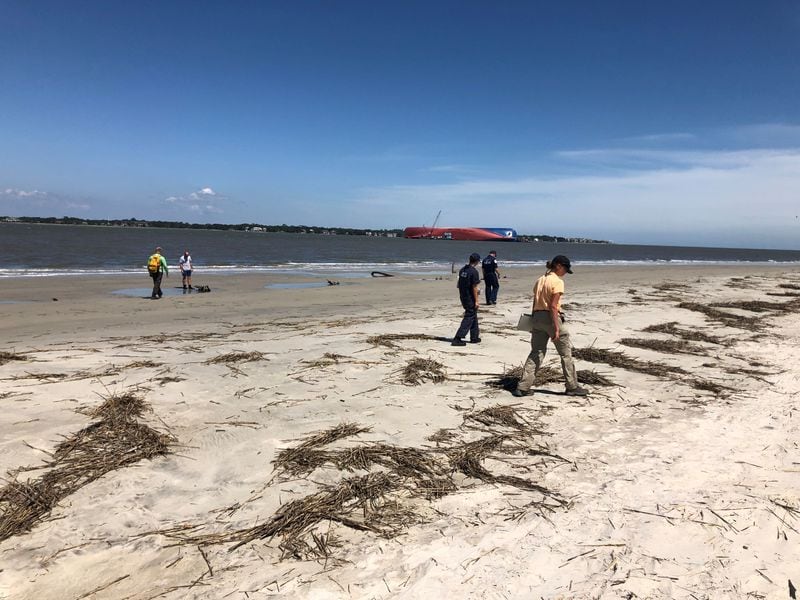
x: 549, y: 324
x: 157, y: 267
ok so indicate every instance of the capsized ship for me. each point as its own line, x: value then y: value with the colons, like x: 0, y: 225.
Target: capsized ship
x: 472, y: 234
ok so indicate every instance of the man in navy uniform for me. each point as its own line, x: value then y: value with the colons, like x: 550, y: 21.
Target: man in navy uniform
x: 468, y: 280
x: 491, y: 277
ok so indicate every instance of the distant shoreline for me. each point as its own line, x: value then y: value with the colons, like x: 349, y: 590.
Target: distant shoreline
x: 261, y: 228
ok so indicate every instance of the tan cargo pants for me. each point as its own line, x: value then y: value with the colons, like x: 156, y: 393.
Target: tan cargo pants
x: 542, y: 332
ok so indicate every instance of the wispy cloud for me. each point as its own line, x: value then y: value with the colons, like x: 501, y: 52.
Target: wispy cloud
x: 12, y: 193
x: 457, y: 169
x: 682, y: 193
x: 204, y: 201
x: 658, y: 138
x: 37, y: 203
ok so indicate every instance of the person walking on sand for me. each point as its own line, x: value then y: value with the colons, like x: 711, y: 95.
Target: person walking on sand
x: 157, y: 267
x: 491, y: 277
x: 468, y: 280
x: 185, y: 263
x: 549, y: 324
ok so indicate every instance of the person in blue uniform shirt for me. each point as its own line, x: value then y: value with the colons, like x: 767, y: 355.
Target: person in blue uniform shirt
x: 468, y: 280
x: 491, y: 277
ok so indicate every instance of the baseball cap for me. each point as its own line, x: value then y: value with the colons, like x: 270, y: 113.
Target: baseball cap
x: 474, y: 257
x: 562, y: 260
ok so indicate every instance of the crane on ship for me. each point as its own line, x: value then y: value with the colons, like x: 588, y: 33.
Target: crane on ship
x: 435, y: 221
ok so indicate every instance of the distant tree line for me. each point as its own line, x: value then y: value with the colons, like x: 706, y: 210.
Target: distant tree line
x: 258, y: 227
x: 557, y: 238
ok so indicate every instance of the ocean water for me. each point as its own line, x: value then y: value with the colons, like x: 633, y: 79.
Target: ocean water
x: 47, y: 250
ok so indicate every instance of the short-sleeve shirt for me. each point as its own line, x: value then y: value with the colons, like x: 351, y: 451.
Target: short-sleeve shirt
x: 185, y: 263
x: 467, y: 279
x: 489, y: 265
x: 544, y: 289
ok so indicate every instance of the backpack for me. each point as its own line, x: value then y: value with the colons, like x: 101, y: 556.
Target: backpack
x: 154, y: 263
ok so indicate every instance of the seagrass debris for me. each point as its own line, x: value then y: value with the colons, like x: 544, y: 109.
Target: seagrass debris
x: 693, y: 335
x: 305, y: 458
x: 360, y: 503
x: 759, y: 306
x: 385, y: 500
x: 114, y: 440
x: 623, y: 361
x: 620, y: 359
x: 664, y: 346
x: 419, y: 370
x: 329, y: 358
x: 388, y: 339
x: 40, y: 376
x: 108, y: 371
x: 469, y: 459
x: 546, y: 375
x: 726, y: 318
x: 789, y: 286
x: 7, y: 357
x: 143, y: 364
x: 590, y: 377
x: 503, y: 416
x: 442, y: 435
x: 236, y: 357
x: 670, y: 286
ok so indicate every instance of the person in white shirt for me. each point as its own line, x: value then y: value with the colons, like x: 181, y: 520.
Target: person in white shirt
x: 185, y: 263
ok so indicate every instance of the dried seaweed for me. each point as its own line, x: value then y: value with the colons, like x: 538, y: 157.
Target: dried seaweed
x: 236, y: 357
x: 501, y: 415
x: 594, y: 378
x: 623, y: 361
x: 302, y: 458
x: 6, y: 357
x: 664, y: 346
x: 443, y: 435
x: 115, y: 440
x: 726, y: 318
x: 692, y: 335
x: 757, y: 306
x: 327, y: 359
x: 388, y: 339
x: 143, y: 364
x: 384, y: 500
x: 546, y: 375
x: 469, y: 459
x: 419, y: 370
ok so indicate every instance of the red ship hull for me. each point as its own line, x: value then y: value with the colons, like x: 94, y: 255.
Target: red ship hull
x: 473, y: 234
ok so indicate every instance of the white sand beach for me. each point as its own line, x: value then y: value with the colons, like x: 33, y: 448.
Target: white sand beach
x: 678, y: 482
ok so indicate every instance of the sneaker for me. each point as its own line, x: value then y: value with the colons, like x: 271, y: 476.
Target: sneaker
x: 578, y: 391
x: 458, y: 342
x: 191, y: 288
x: 475, y: 341
x: 517, y: 393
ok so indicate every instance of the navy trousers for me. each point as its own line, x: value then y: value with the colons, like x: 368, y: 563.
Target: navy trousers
x: 469, y: 324
x: 492, y: 284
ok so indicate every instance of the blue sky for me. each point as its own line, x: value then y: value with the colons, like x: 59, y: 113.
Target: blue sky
x: 640, y: 122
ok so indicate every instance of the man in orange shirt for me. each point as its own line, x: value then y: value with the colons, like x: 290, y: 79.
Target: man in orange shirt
x: 548, y: 324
